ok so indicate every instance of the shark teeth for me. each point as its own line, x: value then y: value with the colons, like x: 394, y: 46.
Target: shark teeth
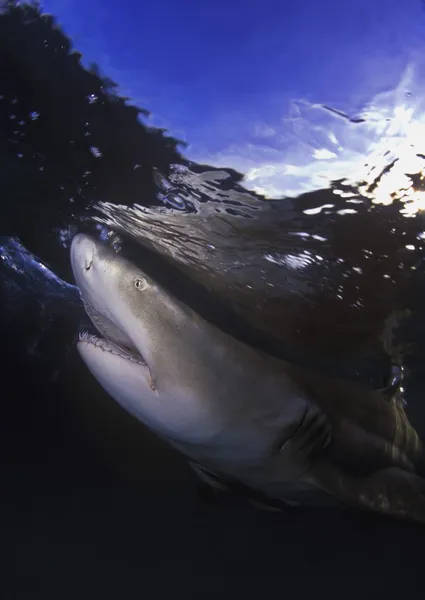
x: 107, y: 346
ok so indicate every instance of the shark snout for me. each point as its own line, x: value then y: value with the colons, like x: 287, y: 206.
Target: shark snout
x: 83, y: 252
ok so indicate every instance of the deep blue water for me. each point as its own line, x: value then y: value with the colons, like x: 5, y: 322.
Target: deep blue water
x: 293, y: 220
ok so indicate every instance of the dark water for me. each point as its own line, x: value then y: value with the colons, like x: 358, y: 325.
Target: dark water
x: 92, y: 504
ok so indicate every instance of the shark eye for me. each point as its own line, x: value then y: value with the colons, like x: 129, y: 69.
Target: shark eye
x: 140, y: 283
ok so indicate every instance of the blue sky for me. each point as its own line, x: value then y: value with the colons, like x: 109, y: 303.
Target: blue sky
x: 242, y: 81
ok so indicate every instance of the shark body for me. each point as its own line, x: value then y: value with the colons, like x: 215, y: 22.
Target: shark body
x: 242, y: 417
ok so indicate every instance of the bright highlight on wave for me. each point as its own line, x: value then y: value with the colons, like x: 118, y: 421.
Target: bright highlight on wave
x: 396, y: 165
x: 378, y: 154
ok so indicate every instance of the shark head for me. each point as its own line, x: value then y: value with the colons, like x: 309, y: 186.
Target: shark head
x: 149, y: 354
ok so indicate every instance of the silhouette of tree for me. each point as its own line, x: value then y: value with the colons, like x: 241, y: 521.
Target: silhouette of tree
x: 67, y: 137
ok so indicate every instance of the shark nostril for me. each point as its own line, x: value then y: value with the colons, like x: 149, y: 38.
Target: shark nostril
x: 88, y: 264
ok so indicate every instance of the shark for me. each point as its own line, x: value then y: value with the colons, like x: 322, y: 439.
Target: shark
x: 277, y: 433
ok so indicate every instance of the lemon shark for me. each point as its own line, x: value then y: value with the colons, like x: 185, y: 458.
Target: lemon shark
x: 244, y: 420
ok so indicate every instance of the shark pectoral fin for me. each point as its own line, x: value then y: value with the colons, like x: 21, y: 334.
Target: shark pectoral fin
x: 234, y: 488
x: 391, y: 491
x: 208, y: 477
x: 311, y: 436
x: 263, y: 506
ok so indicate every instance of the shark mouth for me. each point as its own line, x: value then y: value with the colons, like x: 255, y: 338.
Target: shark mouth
x: 108, y: 346
x: 113, y: 340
